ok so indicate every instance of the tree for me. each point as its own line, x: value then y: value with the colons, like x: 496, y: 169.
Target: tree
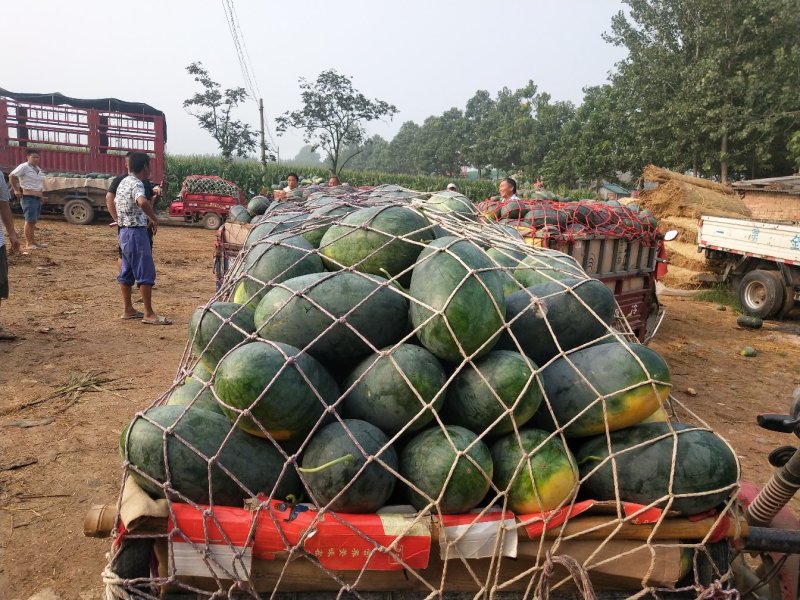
x: 440, y: 140
x: 308, y: 157
x: 477, y: 148
x: 212, y: 108
x: 711, y: 84
x: 372, y: 156
x: 333, y: 115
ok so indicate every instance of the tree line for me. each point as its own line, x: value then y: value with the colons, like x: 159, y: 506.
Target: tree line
x: 708, y: 86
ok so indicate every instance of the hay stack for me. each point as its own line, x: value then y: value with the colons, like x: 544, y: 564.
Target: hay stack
x: 678, y: 202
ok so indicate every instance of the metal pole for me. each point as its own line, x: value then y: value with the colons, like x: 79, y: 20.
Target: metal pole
x: 263, y: 143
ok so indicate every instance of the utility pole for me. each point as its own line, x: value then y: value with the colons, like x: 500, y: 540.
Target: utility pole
x: 263, y: 143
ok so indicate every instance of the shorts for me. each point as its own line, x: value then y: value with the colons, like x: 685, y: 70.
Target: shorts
x: 149, y: 235
x: 31, y: 208
x: 137, y: 258
x: 3, y: 273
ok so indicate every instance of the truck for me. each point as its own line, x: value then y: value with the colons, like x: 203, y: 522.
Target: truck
x: 761, y: 259
x: 82, y: 144
x: 205, y: 199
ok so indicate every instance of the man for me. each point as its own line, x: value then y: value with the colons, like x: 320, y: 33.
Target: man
x: 28, y: 184
x: 508, y: 189
x: 333, y: 181
x: 132, y: 212
x: 8, y: 223
x: 293, y: 179
x: 451, y: 187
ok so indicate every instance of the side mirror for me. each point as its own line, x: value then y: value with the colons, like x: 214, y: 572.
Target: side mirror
x: 670, y: 235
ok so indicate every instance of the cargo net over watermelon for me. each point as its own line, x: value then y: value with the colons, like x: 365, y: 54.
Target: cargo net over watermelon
x: 209, y: 184
x: 391, y: 394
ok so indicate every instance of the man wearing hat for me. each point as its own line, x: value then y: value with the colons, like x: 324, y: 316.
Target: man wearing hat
x: 451, y: 187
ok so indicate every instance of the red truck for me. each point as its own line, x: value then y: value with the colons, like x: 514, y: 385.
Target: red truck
x: 82, y: 144
x: 205, y: 199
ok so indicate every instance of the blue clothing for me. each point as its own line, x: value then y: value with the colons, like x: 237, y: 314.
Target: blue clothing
x: 137, y: 257
x: 31, y: 208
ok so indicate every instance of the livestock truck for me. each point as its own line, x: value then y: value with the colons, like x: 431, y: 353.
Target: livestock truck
x: 82, y: 145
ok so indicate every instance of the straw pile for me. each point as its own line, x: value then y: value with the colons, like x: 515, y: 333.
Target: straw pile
x: 678, y: 202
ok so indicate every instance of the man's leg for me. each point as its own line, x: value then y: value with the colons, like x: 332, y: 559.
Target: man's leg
x: 30, y: 210
x: 128, y: 310
x: 126, y: 278
x: 4, y: 335
x: 147, y: 300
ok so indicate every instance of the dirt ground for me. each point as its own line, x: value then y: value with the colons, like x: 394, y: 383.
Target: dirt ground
x: 65, y: 308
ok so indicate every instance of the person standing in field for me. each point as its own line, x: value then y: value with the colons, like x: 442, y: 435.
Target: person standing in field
x: 13, y: 246
x: 133, y: 214
x: 28, y: 184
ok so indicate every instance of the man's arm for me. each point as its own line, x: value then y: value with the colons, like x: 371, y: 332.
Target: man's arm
x: 8, y: 222
x: 14, y: 181
x: 111, y: 207
x: 147, y: 208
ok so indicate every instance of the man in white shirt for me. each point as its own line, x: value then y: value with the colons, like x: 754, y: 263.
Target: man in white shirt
x: 508, y: 189
x: 8, y: 223
x: 28, y: 183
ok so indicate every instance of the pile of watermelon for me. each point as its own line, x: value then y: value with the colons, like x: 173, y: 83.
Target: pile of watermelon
x: 384, y: 347
x: 538, y: 217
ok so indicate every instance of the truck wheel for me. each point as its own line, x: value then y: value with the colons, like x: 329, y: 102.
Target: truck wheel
x: 78, y: 211
x: 761, y: 293
x: 212, y: 221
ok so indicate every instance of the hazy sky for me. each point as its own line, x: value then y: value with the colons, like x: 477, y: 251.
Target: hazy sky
x: 422, y: 56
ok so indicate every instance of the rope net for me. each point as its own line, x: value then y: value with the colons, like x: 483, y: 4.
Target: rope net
x: 209, y: 184
x: 391, y: 393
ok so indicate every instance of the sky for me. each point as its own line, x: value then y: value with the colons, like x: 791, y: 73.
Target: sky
x: 423, y: 56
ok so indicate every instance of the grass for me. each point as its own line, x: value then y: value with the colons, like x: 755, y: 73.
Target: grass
x: 720, y: 294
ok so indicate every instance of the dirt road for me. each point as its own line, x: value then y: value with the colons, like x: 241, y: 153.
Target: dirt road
x: 65, y: 307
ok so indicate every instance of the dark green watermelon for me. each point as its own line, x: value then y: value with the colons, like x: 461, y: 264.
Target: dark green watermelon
x: 258, y: 205
x: 703, y: 465
x: 562, y: 314
x: 305, y: 312
x: 546, y: 267
x: 273, y: 260
x: 238, y: 214
x: 381, y: 240
x: 452, y: 203
x: 470, y: 304
x: 195, y: 394
x: 285, y: 391
x: 215, y: 329
x: 547, y: 477
x: 332, y: 461
x: 427, y: 460
x: 484, y: 390
x: 634, y: 380
x: 253, y: 461
x: 391, y: 389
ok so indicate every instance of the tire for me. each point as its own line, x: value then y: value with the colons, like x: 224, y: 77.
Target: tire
x: 762, y: 293
x: 78, y: 212
x: 212, y: 221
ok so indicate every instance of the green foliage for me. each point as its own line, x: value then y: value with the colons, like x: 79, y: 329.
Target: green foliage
x: 794, y: 149
x: 722, y: 294
x: 212, y: 108
x: 252, y: 176
x: 333, y: 115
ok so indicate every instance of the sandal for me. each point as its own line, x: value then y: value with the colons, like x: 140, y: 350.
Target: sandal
x: 159, y: 320
x: 7, y: 336
x: 137, y: 315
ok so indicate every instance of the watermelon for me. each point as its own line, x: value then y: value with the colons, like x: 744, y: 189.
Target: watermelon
x: 238, y: 214
x: 285, y: 391
x: 215, y: 329
x: 546, y: 267
x: 513, y: 209
x: 537, y: 473
x: 271, y: 224
x: 484, y: 390
x: 195, y: 394
x: 332, y: 462
x: 382, y: 240
x: 273, y: 260
x: 390, y: 389
x: 253, y: 461
x: 470, y: 305
x: 452, y: 203
x: 562, y: 314
x: 201, y: 373
x: 749, y: 321
x: 703, y: 465
x: 321, y: 220
x: 427, y: 460
x: 305, y: 312
x: 569, y: 380
x: 258, y: 205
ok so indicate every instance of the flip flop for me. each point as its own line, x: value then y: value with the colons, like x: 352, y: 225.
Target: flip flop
x: 159, y: 320
x: 138, y: 315
x: 7, y: 336
x: 36, y: 247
